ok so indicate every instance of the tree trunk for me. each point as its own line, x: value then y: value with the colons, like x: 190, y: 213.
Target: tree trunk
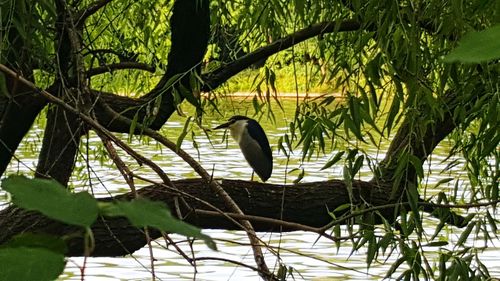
x: 19, y: 105
x: 60, y: 145
x: 116, y: 237
x: 190, y: 26
x: 18, y: 110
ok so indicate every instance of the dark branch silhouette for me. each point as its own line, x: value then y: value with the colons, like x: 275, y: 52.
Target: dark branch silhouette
x: 222, y: 74
x: 121, y: 65
x: 90, y: 10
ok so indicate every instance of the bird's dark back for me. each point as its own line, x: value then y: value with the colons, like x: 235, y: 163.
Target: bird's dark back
x: 258, y: 134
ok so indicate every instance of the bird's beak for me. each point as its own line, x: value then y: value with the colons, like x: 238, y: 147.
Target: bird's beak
x: 225, y: 125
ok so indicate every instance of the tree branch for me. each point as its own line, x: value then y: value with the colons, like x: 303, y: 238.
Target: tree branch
x: 115, y: 236
x: 217, y: 77
x: 121, y: 65
x: 90, y: 10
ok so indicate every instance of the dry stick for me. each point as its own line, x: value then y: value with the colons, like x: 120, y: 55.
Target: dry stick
x: 217, y: 188
x: 94, y: 124
x: 258, y: 255
x: 177, y: 248
x: 127, y: 175
x: 278, y: 222
x: 122, y: 167
x: 227, y: 260
x: 218, y: 211
x: 233, y: 216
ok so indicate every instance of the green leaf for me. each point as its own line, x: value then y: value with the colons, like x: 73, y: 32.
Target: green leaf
x: 466, y: 233
x: 183, y: 134
x: 342, y: 207
x: 48, y: 242
x: 143, y: 212
x: 133, y: 124
x: 299, y: 177
x: 443, y: 181
x: 334, y: 160
x: 476, y: 47
x: 417, y: 164
x: 52, y: 199
x: 437, y: 244
x: 357, y: 164
x: 23, y: 263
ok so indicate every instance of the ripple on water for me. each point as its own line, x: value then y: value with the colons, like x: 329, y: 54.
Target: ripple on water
x: 311, y: 259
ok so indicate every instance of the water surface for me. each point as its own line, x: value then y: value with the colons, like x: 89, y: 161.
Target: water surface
x: 306, y: 256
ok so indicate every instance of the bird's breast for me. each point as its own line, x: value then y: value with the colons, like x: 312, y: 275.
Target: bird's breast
x: 238, y: 129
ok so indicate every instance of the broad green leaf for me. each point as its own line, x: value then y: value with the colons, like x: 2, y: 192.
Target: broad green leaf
x: 23, y: 263
x: 476, y: 47
x: 52, y: 199
x: 48, y: 242
x: 143, y: 212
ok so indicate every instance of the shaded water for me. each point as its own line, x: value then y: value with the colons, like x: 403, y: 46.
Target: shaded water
x: 309, y: 259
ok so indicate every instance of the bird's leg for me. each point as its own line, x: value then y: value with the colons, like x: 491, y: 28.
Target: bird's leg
x: 253, y: 172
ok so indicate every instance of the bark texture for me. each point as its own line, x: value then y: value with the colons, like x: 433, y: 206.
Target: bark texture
x: 115, y: 236
x: 307, y: 204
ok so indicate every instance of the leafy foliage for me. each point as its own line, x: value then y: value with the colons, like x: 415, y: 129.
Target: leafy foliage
x: 59, y: 204
x: 390, y: 74
x: 477, y: 47
x: 42, y: 258
x: 79, y: 209
x: 37, y: 264
x: 142, y: 213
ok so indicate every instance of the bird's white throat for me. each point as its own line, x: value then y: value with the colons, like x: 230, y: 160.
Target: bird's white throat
x: 238, y: 129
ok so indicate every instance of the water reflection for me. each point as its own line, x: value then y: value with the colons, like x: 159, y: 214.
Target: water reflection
x: 308, y: 258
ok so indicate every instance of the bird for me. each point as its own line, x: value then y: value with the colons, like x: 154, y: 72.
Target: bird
x: 253, y: 143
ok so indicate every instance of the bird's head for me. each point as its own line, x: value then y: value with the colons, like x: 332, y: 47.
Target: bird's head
x: 237, y: 125
x: 233, y: 121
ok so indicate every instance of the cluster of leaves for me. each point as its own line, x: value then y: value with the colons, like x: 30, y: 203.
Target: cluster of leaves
x: 43, y: 254
x: 395, y: 71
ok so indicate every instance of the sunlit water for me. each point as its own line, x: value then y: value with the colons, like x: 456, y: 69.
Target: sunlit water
x: 309, y: 258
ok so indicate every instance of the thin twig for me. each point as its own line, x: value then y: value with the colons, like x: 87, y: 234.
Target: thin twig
x: 177, y: 248
x: 227, y: 260
x: 277, y: 222
x: 94, y: 124
x: 127, y: 175
x: 122, y: 167
x: 122, y: 65
x: 90, y: 10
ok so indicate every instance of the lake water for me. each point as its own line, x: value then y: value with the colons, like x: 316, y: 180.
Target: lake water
x: 309, y: 259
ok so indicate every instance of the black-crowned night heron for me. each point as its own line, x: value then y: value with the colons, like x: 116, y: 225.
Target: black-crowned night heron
x: 253, y: 143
